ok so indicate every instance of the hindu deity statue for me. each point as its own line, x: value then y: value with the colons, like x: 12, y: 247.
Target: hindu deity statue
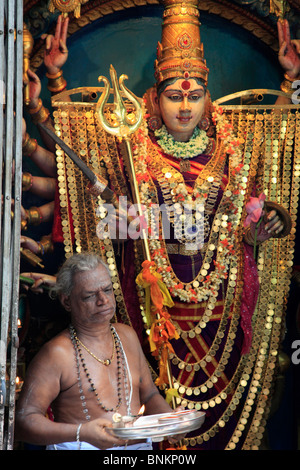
x: 218, y: 203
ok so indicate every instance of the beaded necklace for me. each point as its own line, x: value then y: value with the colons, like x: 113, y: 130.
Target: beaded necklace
x: 122, y: 366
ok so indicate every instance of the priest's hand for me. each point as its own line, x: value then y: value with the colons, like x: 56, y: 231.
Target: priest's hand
x: 95, y: 433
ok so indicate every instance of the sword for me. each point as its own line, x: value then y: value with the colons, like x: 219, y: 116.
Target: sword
x: 98, y: 184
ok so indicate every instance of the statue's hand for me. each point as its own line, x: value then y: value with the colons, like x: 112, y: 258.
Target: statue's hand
x: 270, y: 220
x: 30, y: 244
x: 34, y: 88
x: 289, y: 50
x: 56, y: 52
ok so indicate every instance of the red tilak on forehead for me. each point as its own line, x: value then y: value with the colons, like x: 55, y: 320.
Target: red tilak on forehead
x: 185, y: 85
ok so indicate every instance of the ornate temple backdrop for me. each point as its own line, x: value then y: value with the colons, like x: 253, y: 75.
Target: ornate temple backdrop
x: 240, y: 42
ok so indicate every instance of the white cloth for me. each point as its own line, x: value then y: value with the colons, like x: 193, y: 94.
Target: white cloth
x: 86, y: 446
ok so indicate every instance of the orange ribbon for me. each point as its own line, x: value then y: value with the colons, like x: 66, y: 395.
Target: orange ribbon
x: 162, y: 328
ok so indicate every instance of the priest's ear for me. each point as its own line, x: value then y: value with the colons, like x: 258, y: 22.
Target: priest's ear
x: 65, y: 301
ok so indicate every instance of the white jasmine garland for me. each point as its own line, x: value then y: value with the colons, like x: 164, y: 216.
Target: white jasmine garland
x: 195, y: 146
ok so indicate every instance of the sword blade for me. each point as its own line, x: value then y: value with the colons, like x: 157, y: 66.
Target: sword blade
x: 74, y: 157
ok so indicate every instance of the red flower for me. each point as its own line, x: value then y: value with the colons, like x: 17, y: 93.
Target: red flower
x: 179, y: 286
x: 179, y: 197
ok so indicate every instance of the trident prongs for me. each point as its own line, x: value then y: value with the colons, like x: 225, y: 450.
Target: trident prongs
x: 122, y: 126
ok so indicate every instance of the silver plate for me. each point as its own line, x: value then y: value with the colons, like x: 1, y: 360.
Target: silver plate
x: 152, y: 426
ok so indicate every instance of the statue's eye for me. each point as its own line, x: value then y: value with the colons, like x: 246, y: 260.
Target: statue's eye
x: 176, y: 97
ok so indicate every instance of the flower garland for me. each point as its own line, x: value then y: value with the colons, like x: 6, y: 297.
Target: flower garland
x: 222, y: 240
x: 183, y: 150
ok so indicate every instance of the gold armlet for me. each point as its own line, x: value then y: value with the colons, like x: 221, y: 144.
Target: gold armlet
x: 27, y: 181
x: 29, y: 146
x: 56, y: 82
x: 34, y: 216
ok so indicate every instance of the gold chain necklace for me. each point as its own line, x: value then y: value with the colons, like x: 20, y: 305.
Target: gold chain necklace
x: 105, y: 362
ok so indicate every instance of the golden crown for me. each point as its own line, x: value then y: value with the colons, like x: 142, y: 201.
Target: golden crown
x: 180, y: 53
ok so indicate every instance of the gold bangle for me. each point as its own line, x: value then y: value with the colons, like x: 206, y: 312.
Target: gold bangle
x: 56, y: 85
x: 34, y: 216
x: 37, y: 108
x: 288, y: 78
x: 54, y: 75
x: 286, y: 87
x: 29, y: 146
x: 27, y: 181
x: 45, y: 245
x: 23, y: 225
x: 287, y: 83
x: 56, y: 82
x: 41, y: 116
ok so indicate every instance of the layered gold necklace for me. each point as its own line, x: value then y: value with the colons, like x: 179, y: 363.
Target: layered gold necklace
x: 220, y: 250
x: 179, y: 198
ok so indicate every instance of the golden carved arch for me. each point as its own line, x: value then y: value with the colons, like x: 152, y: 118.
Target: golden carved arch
x: 92, y: 11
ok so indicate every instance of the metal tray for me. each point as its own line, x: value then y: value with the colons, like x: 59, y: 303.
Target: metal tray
x: 160, y: 425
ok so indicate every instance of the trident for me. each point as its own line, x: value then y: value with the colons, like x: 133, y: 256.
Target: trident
x: 122, y: 128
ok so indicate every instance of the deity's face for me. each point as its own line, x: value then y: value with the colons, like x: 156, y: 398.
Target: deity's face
x: 92, y: 300
x: 182, y: 105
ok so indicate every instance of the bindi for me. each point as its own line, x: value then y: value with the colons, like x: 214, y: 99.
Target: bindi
x: 185, y: 85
